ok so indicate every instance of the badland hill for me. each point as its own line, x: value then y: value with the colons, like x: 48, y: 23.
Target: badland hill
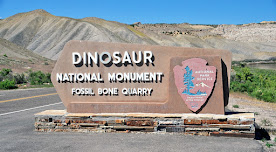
x: 20, y: 59
x: 39, y: 32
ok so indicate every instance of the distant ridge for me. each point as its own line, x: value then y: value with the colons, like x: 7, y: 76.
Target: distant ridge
x: 268, y: 22
x: 46, y: 34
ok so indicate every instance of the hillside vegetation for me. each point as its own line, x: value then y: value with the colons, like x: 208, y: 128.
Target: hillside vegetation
x: 258, y: 83
x: 10, y: 80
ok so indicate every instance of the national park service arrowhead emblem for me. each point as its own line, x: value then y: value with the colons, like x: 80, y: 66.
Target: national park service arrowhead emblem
x: 195, y: 82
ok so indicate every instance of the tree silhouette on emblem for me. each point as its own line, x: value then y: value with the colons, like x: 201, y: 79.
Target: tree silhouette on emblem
x: 188, y: 80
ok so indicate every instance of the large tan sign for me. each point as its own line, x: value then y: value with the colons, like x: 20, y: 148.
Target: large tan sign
x: 97, y: 77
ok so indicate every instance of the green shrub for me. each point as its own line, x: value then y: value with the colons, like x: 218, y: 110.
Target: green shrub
x: 19, y: 78
x: 257, y: 93
x: 4, y: 72
x: 38, y: 78
x: 235, y: 106
x: 7, y: 84
x: 258, y: 83
x: 8, y: 80
x: 268, y: 145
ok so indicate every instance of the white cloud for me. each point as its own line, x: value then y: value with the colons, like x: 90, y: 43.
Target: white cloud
x: 0, y: 17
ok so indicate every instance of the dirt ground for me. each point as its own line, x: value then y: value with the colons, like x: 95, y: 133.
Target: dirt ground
x: 265, y: 115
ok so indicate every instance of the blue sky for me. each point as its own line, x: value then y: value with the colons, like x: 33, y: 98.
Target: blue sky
x: 151, y: 11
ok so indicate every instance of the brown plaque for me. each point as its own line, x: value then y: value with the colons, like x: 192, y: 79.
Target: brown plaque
x: 98, y: 77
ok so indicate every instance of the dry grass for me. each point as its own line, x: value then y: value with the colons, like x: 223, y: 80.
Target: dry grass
x: 253, y: 101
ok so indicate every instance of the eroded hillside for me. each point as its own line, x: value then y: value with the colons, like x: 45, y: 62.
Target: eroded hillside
x: 46, y: 34
x: 20, y: 60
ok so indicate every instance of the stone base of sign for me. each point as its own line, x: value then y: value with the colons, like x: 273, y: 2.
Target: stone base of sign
x: 231, y: 124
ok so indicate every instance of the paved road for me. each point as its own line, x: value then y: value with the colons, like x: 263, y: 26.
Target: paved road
x: 26, y: 98
x: 17, y: 125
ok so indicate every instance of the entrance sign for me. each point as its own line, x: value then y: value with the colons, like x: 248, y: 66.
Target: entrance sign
x: 98, y: 77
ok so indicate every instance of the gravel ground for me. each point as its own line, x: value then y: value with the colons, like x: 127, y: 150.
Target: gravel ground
x: 265, y: 114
